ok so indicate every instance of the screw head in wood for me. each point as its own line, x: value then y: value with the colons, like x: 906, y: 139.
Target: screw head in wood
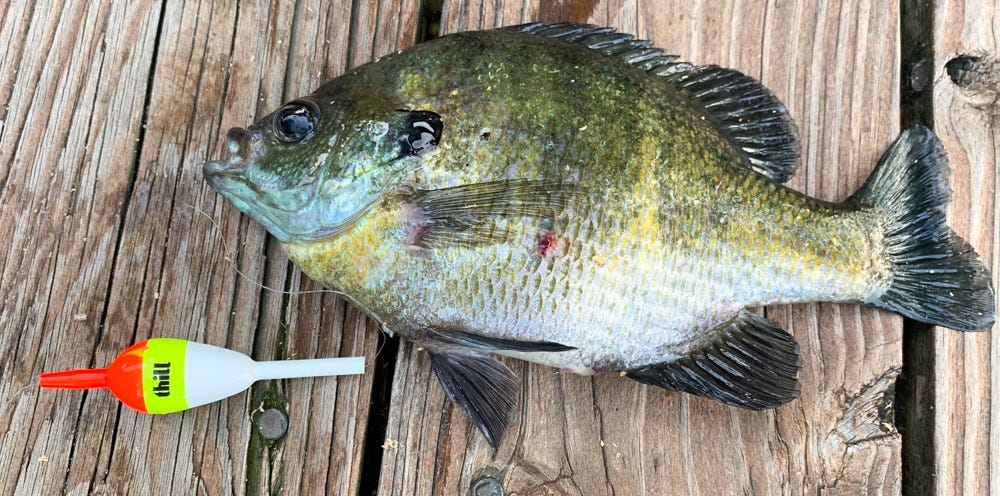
x: 486, y: 483
x: 272, y: 423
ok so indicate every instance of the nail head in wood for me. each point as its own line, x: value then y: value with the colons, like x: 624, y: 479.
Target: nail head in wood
x: 486, y: 483
x: 272, y: 424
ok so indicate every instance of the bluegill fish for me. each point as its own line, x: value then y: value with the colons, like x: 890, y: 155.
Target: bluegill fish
x: 569, y: 195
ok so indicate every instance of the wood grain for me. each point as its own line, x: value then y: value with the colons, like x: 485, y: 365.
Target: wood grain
x: 73, y: 84
x: 110, y: 109
x: 967, y: 118
x: 324, y: 448
x: 607, y: 435
x: 114, y: 237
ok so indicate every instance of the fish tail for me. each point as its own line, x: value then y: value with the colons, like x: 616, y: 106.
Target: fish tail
x: 936, y: 276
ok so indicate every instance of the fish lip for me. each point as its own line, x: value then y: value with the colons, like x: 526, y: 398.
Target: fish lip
x: 214, y: 168
x: 234, y: 167
x: 243, y: 146
x: 222, y: 176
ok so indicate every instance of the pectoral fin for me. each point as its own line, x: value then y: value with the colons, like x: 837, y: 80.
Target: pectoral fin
x: 482, y: 385
x: 747, y: 362
x: 470, y: 214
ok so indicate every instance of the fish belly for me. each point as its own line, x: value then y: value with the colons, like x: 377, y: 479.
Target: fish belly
x: 623, y: 302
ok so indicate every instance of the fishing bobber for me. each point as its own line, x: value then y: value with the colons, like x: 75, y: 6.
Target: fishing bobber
x: 165, y: 375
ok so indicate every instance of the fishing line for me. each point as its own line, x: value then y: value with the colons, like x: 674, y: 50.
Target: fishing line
x: 230, y: 256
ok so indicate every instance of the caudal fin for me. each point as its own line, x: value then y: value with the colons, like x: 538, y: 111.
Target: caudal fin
x: 936, y: 276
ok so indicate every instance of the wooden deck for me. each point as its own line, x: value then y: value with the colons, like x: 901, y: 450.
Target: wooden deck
x: 110, y: 109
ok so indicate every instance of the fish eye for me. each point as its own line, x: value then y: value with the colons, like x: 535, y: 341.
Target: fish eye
x: 295, y: 121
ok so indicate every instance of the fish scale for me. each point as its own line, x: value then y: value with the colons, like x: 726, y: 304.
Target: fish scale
x: 677, y: 291
x: 570, y: 196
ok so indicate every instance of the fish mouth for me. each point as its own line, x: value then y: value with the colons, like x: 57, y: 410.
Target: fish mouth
x: 279, y: 209
x: 242, y: 153
x: 297, y: 212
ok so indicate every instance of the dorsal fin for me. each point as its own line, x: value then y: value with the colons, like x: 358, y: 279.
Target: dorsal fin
x: 742, y: 109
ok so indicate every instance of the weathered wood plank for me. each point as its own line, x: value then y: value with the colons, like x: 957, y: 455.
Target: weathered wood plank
x: 966, y: 405
x: 111, y: 240
x: 171, y: 276
x: 72, y: 78
x: 105, y: 246
x: 328, y: 418
x: 836, y: 67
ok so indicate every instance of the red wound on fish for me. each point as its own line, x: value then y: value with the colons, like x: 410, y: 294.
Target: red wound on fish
x: 547, y: 243
x: 415, y: 236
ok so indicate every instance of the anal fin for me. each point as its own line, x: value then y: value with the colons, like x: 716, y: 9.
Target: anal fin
x: 747, y: 362
x: 484, y: 387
